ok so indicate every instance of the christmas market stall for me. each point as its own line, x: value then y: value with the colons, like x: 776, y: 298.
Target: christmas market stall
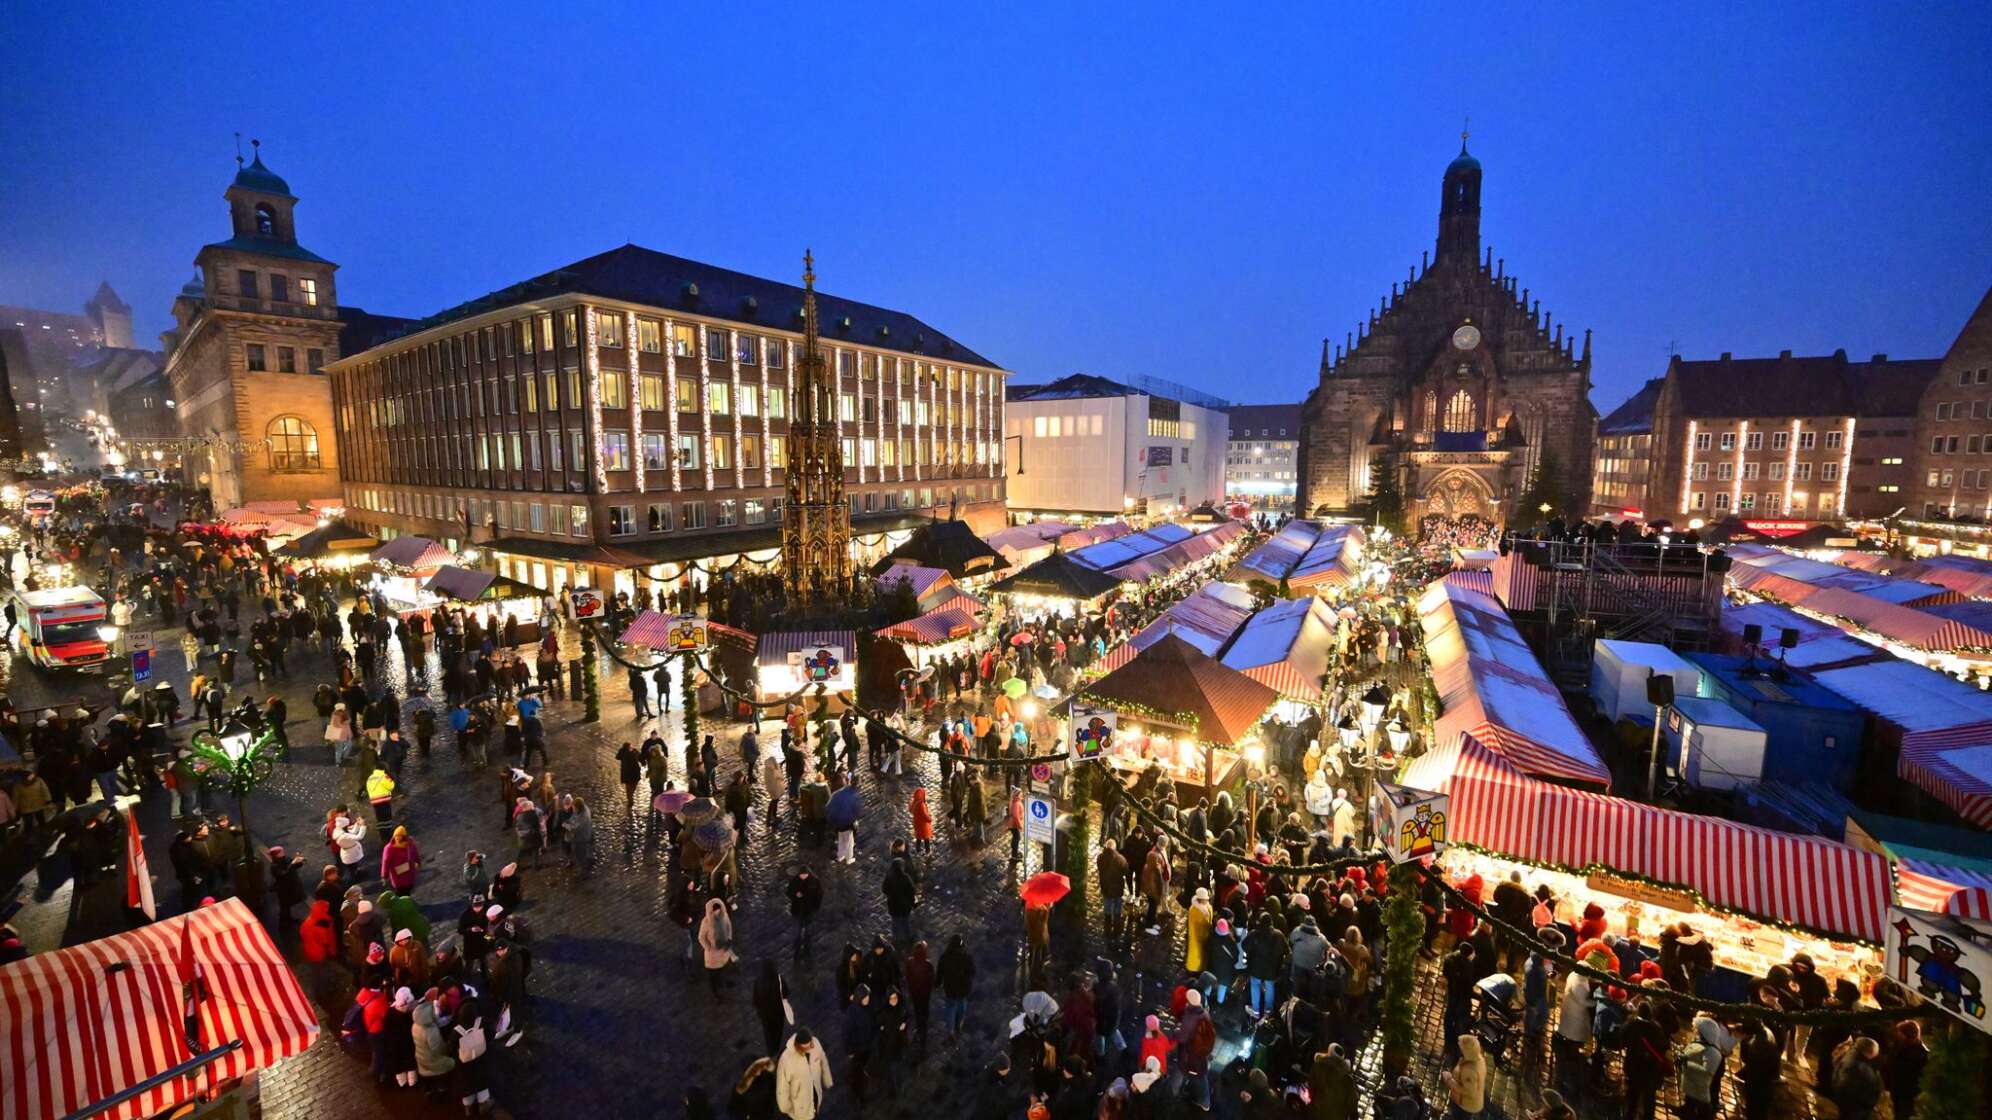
x: 1206, y: 618
x: 1184, y: 713
x: 402, y: 565
x: 1057, y: 584
x: 1288, y: 647
x: 334, y: 544
x: 1491, y: 686
x: 1757, y: 896
x: 487, y: 596
x: 950, y: 546
x: 1308, y: 557
x: 1938, y: 728
x: 142, y: 1022
x: 788, y: 661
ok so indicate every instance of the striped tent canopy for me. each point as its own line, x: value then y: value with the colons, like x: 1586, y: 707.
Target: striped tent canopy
x: 1174, y: 676
x: 1945, y: 727
x: 82, y: 1024
x: 936, y: 627
x: 1206, y: 618
x: 1288, y: 645
x: 411, y: 552
x: 1913, y: 628
x: 1941, y: 889
x: 1966, y: 575
x: 1803, y: 880
x: 1179, y: 555
x: 1491, y: 686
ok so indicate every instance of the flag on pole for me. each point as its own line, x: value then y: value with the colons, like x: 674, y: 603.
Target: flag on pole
x: 193, y: 985
x: 138, y: 875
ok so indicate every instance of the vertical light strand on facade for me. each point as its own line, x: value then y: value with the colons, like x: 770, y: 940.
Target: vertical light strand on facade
x: 633, y: 347
x: 1687, y: 467
x: 1736, y: 471
x: 767, y: 454
x: 592, y: 357
x: 919, y: 429
x: 733, y: 360
x: 1791, y: 467
x: 858, y: 421
x: 702, y: 338
x: 788, y: 446
x: 671, y: 403
x: 1846, y: 465
x: 899, y: 406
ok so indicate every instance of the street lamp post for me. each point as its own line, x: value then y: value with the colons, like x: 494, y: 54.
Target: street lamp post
x: 237, y: 759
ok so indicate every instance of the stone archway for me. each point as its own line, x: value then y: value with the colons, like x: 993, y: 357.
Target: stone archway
x: 1458, y: 493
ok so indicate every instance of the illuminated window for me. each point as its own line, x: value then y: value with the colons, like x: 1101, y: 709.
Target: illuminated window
x: 609, y: 328
x: 615, y: 390
x: 293, y: 445
x: 688, y: 453
x: 750, y: 452
x: 683, y: 340
x: 653, y: 392
x: 1460, y: 413
x: 722, y: 452
x: 747, y: 349
x: 719, y: 398
x: 615, y: 451
x: 778, y: 451
x: 648, y: 337
x: 688, y: 395
x: 777, y: 402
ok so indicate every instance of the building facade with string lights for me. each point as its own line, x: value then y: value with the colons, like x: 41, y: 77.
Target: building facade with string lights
x: 628, y: 415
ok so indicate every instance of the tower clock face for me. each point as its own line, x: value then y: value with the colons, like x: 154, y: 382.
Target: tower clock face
x: 1466, y: 338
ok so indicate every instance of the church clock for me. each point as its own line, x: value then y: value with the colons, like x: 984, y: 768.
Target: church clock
x: 1466, y: 337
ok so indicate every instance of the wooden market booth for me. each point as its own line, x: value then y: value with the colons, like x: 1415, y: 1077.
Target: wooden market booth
x: 1186, y: 713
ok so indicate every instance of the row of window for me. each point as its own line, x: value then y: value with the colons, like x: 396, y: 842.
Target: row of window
x: 1775, y: 471
x: 257, y: 355
x: 250, y: 285
x: 1771, y: 502
x: 1972, y: 377
x: 1754, y: 441
x: 1957, y: 410
x: 1967, y: 445
x: 1966, y: 480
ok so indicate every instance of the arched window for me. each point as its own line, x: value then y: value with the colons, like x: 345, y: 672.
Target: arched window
x: 266, y: 220
x: 1431, y: 417
x: 293, y: 445
x: 1460, y: 413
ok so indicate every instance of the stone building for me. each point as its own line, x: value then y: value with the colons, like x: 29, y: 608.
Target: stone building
x: 1623, y: 468
x: 252, y: 334
x: 1259, y: 465
x: 622, y: 420
x: 1798, y: 439
x: 1952, y: 480
x: 70, y: 364
x: 1457, y: 381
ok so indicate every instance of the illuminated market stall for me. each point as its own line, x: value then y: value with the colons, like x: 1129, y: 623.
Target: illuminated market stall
x: 1758, y: 896
x: 1057, y: 584
x: 402, y: 565
x: 1288, y: 647
x: 1184, y: 713
x: 331, y: 545
x: 949, y: 617
x: 1206, y: 618
x: 788, y: 661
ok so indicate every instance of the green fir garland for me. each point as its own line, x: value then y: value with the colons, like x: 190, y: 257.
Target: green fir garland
x: 591, y: 683
x: 1954, y: 1081
x: 1404, y: 936
x: 688, y: 691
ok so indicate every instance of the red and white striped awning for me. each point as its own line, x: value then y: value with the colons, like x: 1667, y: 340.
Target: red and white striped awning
x: 1287, y: 647
x: 648, y: 628
x: 1804, y: 880
x: 1954, y: 765
x: 412, y: 552
x: 1935, y: 887
x: 935, y: 627
x: 82, y: 1024
x: 1911, y: 627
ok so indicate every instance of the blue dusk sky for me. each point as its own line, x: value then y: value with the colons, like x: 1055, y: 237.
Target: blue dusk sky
x: 1198, y: 192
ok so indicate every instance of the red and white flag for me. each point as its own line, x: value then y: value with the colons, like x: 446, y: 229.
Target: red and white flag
x: 138, y: 876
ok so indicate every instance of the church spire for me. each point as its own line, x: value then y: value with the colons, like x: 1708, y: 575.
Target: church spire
x: 1459, y: 210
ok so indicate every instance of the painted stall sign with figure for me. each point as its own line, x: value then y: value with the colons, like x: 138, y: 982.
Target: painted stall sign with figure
x: 1410, y: 823
x: 824, y: 665
x: 1945, y: 958
x: 1092, y: 731
x: 687, y: 634
x: 588, y: 603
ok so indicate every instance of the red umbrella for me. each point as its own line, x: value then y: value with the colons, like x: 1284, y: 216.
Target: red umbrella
x: 1045, y: 888
x: 671, y: 800
x: 1022, y: 638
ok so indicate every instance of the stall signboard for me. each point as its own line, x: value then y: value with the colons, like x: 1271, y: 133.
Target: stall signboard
x: 1650, y: 894
x: 821, y: 665
x: 1040, y: 819
x: 588, y: 603
x: 1945, y: 958
x: 1410, y: 822
x: 1092, y: 731
x: 687, y: 634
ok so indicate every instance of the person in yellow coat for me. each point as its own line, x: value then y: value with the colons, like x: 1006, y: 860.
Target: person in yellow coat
x: 380, y: 792
x: 1196, y: 929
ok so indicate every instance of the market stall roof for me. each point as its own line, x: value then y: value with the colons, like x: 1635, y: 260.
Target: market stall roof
x: 774, y: 648
x: 1802, y: 880
x: 412, y: 552
x: 949, y: 545
x: 1058, y: 576
x: 1491, y: 685
x: 467, y: 584
x: 1945, y: 724
x: 1274, y: 559
x: 1174, y: 677
x: 1827, y: 653
x: 84, y: 1023
x: 1206, y: 618
x: 1966, y: 575
x: 1775, y: 618
x: 936, y: 627
x: 1288, y: 645
x: 328, y: 540
x: 649, y: 628
x: 931, y: 586
x: 1913, y: 628
x: 1944, y: 889
x: 1027, y: 544
x: 1111, y: 554
x: 578, y: 552
x: 1179, y: 555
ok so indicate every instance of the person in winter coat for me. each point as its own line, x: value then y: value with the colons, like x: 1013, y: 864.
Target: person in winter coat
x: 716, y: 941
x: 1265, y: 963
x: 373, y: 1003
x: 318, y: 944
x: 1857, y: 1080
x: 919, y: 989
x: 1466, y: 1081
x: 1645, y: 1061
x: 895, y: 1031
x: 1592, y: 926
x: 1307, y: 947
x: 1155, y: 877
x: 901, y: 894
x: 802, y: 1076
x: 1197, y: 923
x: 923, y: 821
x: 956, y: 974
x: 398, y: 1035
x: 753, y: 1095
x: 1762, y: 1053
x: 347, y: 835
x: 1331, y: 1086
x: 435, y: 1057
x: 1196, y: 1037
x: 860, y: 1038
x: 400, y: 860
x: 1697, y: 1063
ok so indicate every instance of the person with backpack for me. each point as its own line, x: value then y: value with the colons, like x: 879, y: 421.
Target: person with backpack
x: 1196, y: 1037
x: 1697, y: 1062
x: 1647, y: 1064
x: 473, y: 1079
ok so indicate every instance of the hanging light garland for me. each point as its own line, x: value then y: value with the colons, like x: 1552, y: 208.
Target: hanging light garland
x: 593, y: 359
x: 631, y: 337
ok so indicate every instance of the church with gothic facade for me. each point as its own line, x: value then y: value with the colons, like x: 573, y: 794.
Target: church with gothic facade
x: 1457, y: 382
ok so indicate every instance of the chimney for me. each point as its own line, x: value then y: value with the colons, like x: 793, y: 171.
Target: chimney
x: 1784, y: 354
x: 1725, y: 355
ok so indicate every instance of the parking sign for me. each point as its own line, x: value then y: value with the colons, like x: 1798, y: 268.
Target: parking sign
x: 1040, y: 815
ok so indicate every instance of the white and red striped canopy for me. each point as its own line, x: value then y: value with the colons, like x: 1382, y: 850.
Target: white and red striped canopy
x: 1491, y: 686
x: 1287, y: 646
x: 81, y: 1024
x: 1940, y: 889
x: 1803, y: 880
x: 1954, y: 765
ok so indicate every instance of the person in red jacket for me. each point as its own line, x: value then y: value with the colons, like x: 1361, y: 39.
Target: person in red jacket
x: 373, y: 1004
x: 1593, y: 925
x: 318, y: 944
x: 1460, y: 920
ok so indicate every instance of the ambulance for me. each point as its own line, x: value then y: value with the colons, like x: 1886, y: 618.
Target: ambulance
x: 57, y: 628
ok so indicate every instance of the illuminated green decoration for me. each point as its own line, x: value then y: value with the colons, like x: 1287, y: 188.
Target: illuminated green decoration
x: 591, y: 679
x: 235, y: 760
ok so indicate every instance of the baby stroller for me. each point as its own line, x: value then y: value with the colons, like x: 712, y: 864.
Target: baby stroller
x: 1496, y: 1017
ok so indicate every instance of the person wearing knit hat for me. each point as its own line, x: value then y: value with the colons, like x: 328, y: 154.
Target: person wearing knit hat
x: 1151, y: 1072
x: 397, y: 1037
x: 401, y: 935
